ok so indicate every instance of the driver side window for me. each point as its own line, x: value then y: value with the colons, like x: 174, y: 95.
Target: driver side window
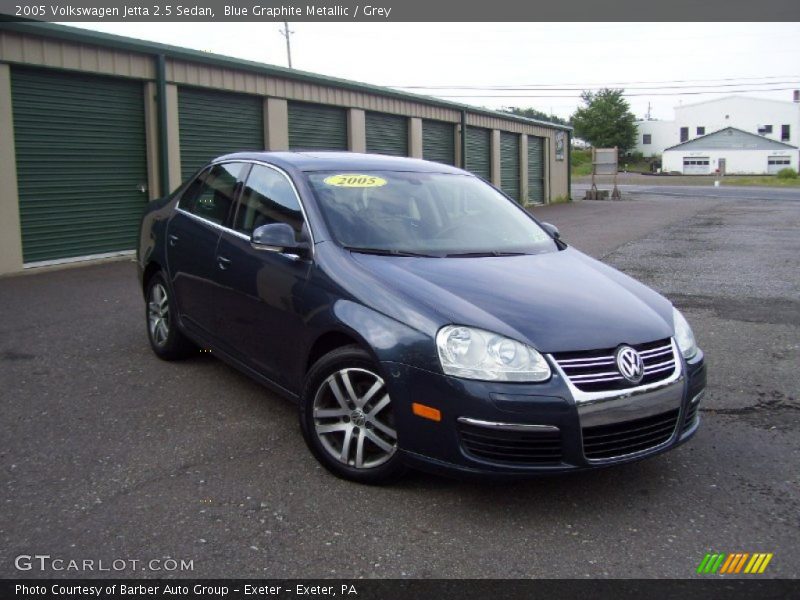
x: 268, y: 197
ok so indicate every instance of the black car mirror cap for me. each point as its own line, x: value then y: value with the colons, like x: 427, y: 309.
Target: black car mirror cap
x: 278, y: 237
x: 551, y: 229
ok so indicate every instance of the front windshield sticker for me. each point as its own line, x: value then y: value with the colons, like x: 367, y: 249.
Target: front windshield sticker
x: 354, y: 180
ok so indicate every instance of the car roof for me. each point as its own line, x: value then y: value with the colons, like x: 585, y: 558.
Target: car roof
x: 321, y: 160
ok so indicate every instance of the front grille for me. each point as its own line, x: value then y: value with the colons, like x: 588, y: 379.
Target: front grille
x: 619, y: 439
x: 516, y: 447
x: 596, y: 370
x: 691, y: 414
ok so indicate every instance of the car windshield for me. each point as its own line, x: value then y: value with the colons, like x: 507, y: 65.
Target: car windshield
x: 428, y: 214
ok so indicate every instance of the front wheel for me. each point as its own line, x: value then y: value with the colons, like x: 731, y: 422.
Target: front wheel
x: 347, y: 418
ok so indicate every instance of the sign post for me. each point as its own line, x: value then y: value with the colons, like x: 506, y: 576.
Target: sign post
x: 605, y: 161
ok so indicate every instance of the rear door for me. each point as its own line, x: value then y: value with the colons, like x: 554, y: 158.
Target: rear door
x: 192, y: 236
x: 258, y: 292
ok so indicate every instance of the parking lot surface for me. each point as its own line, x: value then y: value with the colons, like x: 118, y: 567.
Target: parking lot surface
x: 108, y: 453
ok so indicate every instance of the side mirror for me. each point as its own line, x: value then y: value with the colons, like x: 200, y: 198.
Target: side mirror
x: 552, y: 230
x: 278, y: 237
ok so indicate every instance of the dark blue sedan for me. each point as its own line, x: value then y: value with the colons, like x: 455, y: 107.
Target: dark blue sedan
x: 418, y: 316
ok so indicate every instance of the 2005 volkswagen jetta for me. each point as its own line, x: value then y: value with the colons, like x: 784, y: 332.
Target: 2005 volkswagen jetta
x: 418, y: 316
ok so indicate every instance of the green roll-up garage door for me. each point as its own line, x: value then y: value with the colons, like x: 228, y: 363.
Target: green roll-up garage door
x: 509, y: 164
x: 81, y: 158
x: 387, y: 134
x: 535, y: 169
x: 317, y: 127
x: 212, y: 123
x: 438, y: 142
x: 479, y: 152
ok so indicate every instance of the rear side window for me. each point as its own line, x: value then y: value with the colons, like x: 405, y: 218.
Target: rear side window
x: 268, y: 197
x: 212, y: 194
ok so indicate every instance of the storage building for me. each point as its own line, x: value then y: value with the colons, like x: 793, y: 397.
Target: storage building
x: 93, y: 125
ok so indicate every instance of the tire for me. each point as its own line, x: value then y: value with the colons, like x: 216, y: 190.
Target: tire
x: 166, y: 340
x: 344, y: 401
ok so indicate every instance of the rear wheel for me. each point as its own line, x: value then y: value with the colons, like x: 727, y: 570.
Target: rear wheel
x: 166, y: 340
x: 347, y: 418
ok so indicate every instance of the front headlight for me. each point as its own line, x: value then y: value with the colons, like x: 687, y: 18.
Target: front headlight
x: 683, y: 335
x: 476, y: 354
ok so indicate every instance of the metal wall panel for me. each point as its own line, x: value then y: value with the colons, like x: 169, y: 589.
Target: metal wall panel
x: 438, y: 142
x: 81, y: 157
x: 509, y: 164
x: 45, y: 52
x: 387, y: 134
x: 212, y: 123
x: 479, y: 152
x: 536, y: 169
x: 317, y: 127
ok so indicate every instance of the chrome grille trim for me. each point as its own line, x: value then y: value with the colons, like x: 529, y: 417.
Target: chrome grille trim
x: 672, y: 370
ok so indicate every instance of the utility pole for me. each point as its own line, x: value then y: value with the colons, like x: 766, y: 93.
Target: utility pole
x: 286, y: 33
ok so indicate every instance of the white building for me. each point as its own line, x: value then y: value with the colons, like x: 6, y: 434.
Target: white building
x: 773, y: 119
x: 729, y: 151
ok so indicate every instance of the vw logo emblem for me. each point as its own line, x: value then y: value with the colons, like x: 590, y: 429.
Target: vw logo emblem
x: 630, y: 364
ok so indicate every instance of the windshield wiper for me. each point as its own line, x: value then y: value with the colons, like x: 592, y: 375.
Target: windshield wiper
x: 484, y: 254
x: 388, y: 252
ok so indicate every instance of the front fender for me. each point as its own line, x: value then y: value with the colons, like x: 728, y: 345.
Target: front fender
x: 387, y: 338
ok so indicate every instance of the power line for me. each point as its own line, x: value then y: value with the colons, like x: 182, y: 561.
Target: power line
x: 534, y: 86
x: 627, y: 95
x: 582, y: 88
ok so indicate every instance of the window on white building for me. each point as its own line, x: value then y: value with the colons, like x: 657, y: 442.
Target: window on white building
x: 701, y: 131
x: 786, y: 133
x: 684, y: 134
x: 647, y: 138
x: 765, y: 129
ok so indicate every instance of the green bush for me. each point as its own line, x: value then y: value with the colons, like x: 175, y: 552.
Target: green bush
x: 787, y: 173
x: 634, y: 157
x: 581, y: 162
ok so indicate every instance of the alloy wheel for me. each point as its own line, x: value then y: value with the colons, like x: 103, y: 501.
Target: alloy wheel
x: 158, y: 314
x: 353, y: 418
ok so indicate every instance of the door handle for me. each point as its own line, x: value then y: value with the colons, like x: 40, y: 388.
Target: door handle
x: 223, y: 263
x: 173, y: 239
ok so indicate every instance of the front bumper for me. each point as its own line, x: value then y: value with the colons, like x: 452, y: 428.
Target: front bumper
x: 483, y: 424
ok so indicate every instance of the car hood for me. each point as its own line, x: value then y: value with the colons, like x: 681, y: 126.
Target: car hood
x: 555, y: 301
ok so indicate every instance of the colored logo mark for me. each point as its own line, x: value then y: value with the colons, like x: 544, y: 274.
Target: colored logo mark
x: 739, y: 562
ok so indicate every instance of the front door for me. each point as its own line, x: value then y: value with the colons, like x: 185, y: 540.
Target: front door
x: 259, y: 292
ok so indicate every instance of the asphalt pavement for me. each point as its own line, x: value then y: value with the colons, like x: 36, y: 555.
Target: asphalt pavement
x: 111, y: 454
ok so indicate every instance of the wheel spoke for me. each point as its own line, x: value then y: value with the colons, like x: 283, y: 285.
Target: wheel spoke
x: 384, y: 428
x: 371, y: 392
x: 332, y: 428
x: 162, y: 327
x: 360, y: 449
x: 337, y: 392
x: 348, y: 386
x: 383, y: 445
x: 348, y: 440
x: 153, y: 325
x: 381, y: 404
x: 324, y: 413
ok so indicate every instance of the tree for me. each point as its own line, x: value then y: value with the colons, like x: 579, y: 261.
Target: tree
x: 532, y: 113
x: 606, y: 120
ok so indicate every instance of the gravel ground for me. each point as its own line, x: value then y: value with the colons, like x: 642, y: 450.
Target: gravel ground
x: 109, y: 453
